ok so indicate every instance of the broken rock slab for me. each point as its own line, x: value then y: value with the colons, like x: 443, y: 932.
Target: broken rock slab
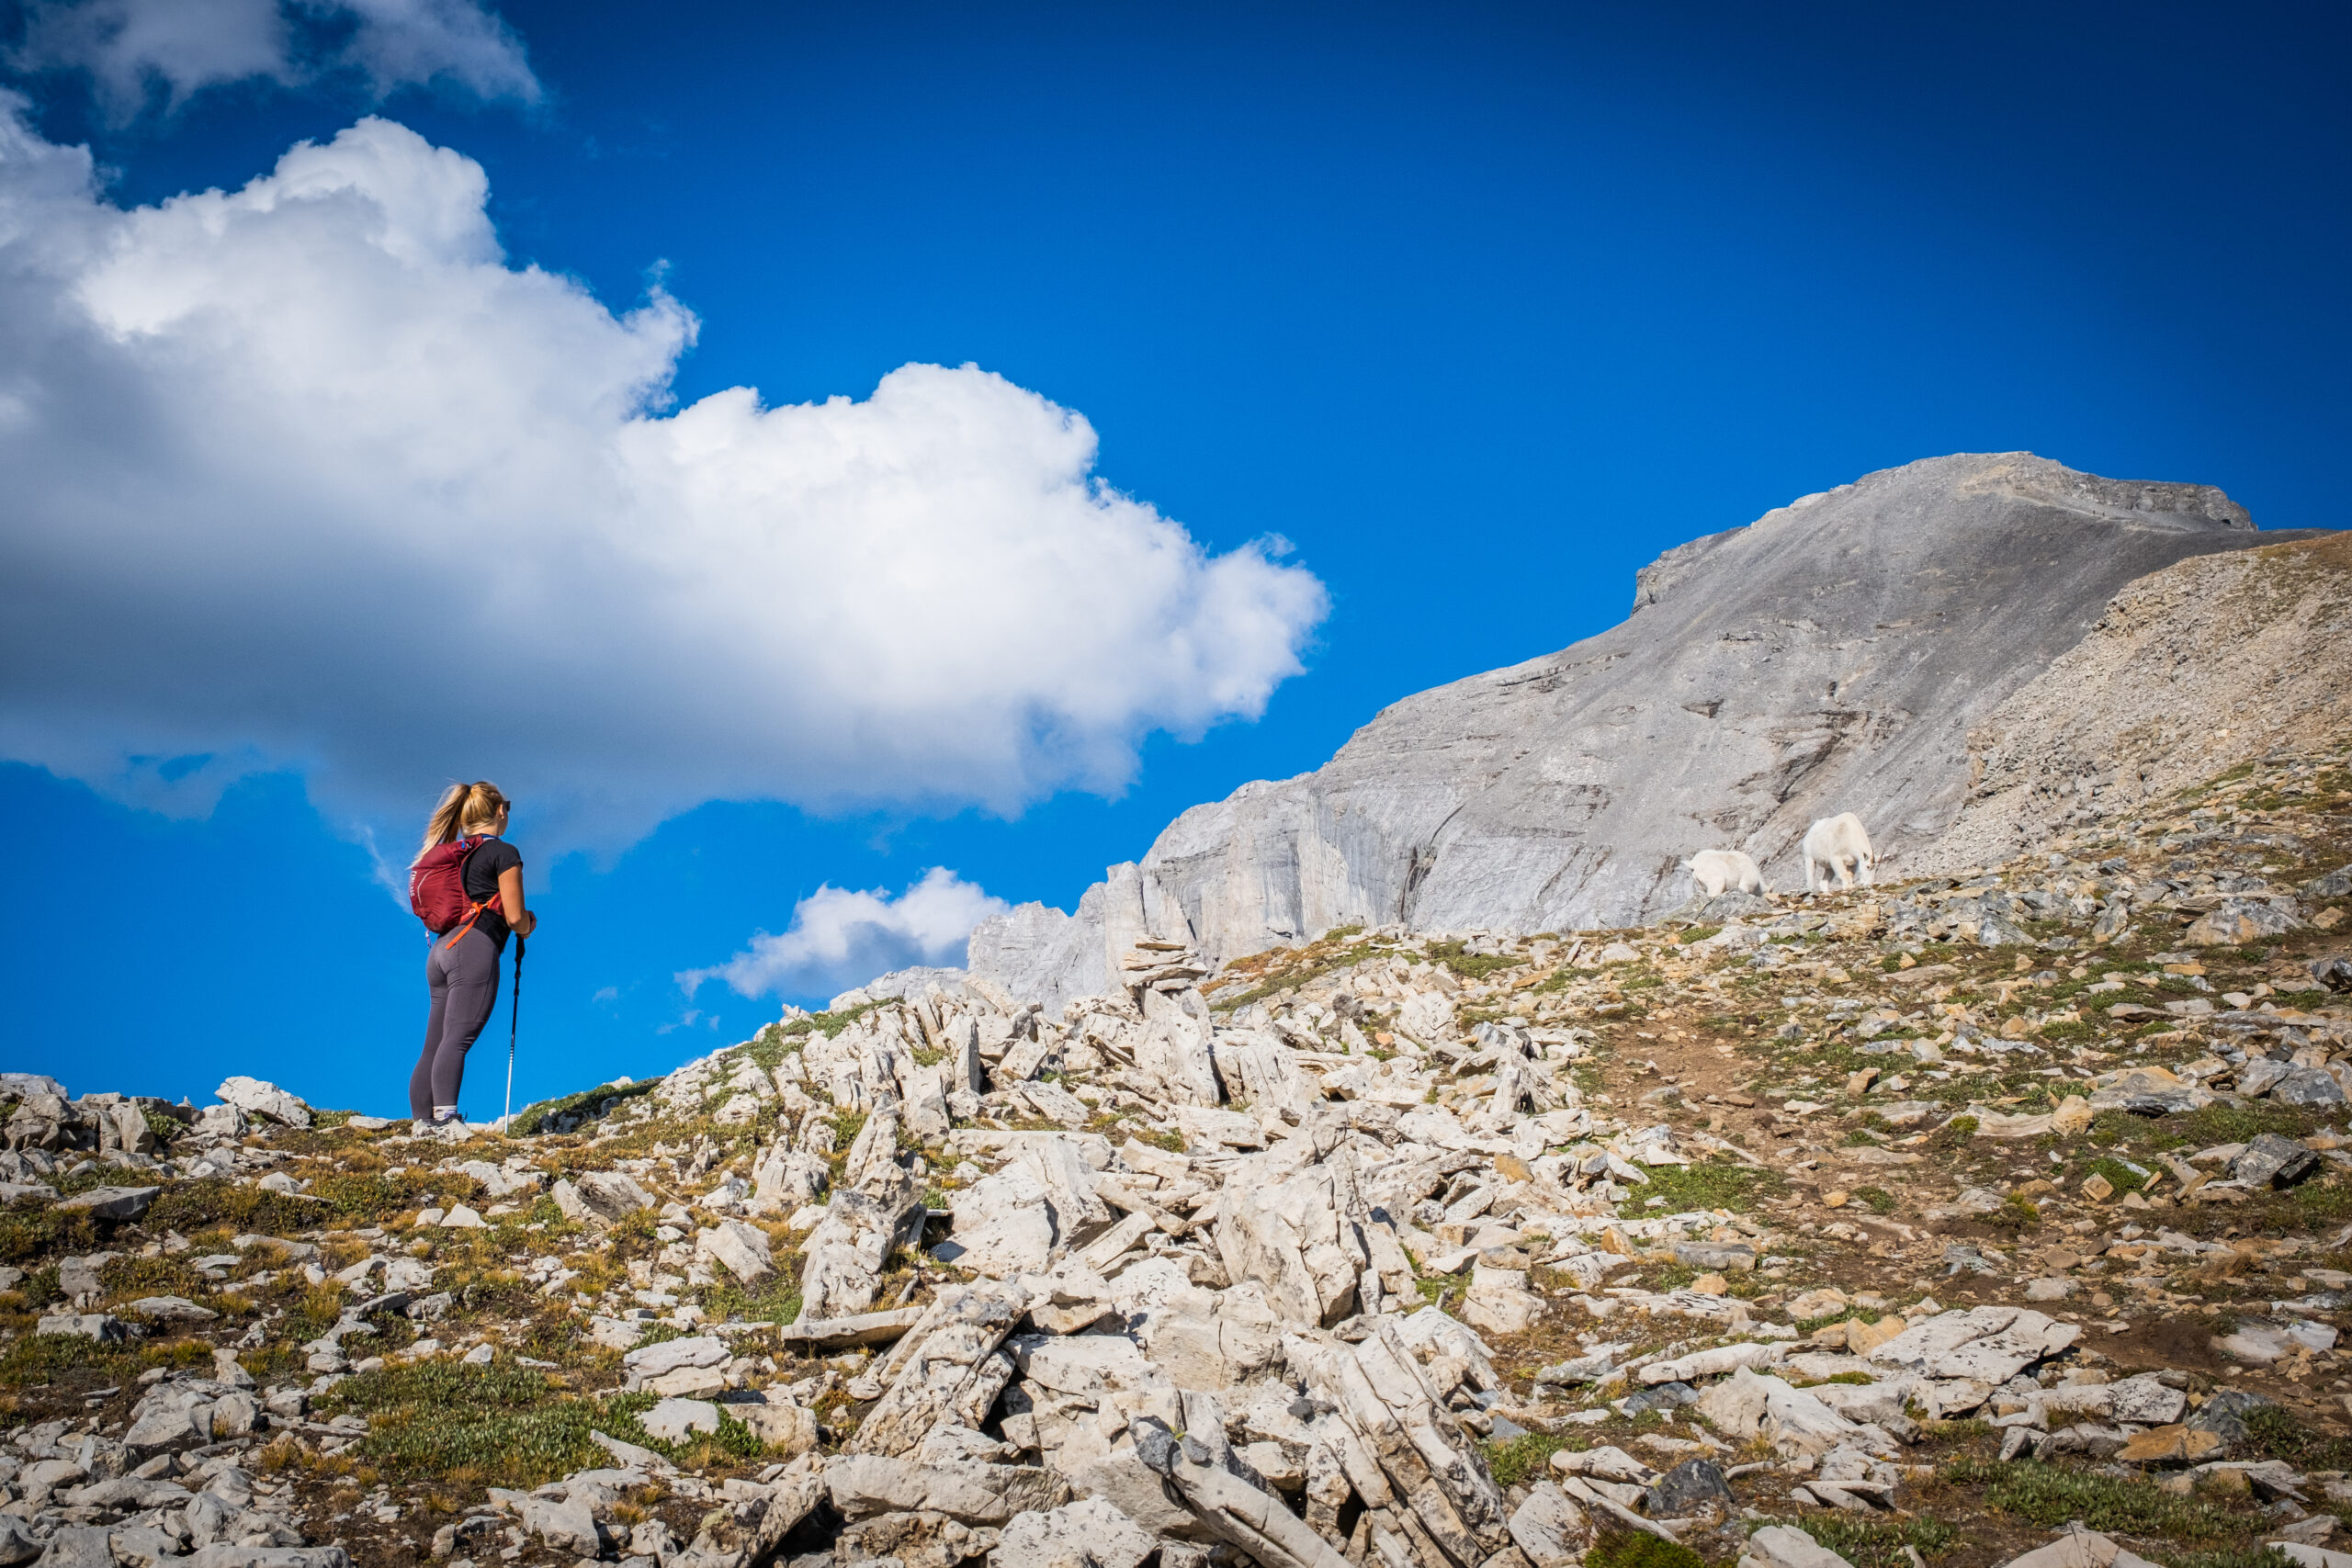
x: 1988, y: 1344
x: 602, y: 1197
x: 1089, y: 1533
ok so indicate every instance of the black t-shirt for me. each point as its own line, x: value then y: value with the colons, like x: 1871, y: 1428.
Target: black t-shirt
x: 483, y: 868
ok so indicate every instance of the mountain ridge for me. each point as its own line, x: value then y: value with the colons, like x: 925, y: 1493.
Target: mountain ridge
x: 1831, y: 655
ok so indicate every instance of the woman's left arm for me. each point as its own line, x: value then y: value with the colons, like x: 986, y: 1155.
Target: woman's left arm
x: 510, y: 902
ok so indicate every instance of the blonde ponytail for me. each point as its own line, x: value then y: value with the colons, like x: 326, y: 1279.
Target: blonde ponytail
x: 464, y: 808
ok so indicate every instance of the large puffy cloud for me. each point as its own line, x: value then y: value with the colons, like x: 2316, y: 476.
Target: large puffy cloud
x: 306, y: 475
x: 839, y: 938
x: 130, y: 47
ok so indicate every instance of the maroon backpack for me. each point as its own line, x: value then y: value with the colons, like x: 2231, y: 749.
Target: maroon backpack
x: 437, y: 887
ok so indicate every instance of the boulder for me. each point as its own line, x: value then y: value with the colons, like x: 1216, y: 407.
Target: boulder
x: 845, y: 1254
x: 1695, y: 1489
x: 1548, y: 1527
x: 255, y: 1097
x: 947, y: 1370
x: 674, y: 1420
x: 741, y: 1249
x: 2272, y: 1160
x: 1778, y: 1546
x: 2238, y: 921
x: 781, y: 1427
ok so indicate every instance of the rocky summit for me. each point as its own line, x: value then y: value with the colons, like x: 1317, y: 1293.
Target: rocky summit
x: 1998, y: 1214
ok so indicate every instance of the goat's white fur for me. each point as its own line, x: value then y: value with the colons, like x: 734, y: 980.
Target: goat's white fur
x: 1839, y: 844
x: 1715, y: 871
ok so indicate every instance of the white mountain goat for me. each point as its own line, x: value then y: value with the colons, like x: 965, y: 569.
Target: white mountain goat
x: 1713, y: 870
x: 1839, y: 844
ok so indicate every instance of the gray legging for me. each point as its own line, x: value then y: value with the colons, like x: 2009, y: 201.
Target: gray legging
x: 464, y: 982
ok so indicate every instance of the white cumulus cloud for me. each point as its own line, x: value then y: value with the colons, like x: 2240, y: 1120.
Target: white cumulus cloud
x: 307, y: 475
x: 130, y: 48
x: 839, y: 938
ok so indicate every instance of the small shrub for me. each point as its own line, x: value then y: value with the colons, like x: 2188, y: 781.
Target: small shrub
x: 1955, y: 1133
x: 2015, y: 1214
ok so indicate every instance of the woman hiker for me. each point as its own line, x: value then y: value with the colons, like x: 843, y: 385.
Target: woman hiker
x: 461, y: 966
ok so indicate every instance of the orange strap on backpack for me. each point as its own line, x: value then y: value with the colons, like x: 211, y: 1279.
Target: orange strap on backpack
x: 473, y: 913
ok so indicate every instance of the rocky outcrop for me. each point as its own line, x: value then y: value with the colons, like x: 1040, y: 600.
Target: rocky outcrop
x: 1833, y: 655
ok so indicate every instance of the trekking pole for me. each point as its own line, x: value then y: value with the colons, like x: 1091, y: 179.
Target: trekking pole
x: 514, y: 1021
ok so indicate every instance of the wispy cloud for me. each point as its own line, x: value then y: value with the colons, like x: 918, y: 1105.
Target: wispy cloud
x: 839, y: 939
x: 133, y: 50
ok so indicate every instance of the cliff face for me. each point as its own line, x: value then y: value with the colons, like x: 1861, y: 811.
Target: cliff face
x: 1831, y: 656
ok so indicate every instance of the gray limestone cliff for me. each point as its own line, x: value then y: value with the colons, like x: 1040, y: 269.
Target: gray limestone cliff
x: 1830, y: 656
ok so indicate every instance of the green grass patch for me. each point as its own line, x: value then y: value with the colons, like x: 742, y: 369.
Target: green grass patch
x: 1715, y: 1183
x: 1457, y: 956
x: 2049, y: 1495
x: 1525, y: 1458
x: 2280, y: 1433
x: 1877, y: 1200
x: 1956, y: 1133
x: 498, y: 1425
x: 31, y: 1230
x: 1633, y: 1550
x: 1878, y: 1543
x: 588, y: 1105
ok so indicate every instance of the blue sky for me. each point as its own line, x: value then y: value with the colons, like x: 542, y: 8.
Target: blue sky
x: 1477, y: 308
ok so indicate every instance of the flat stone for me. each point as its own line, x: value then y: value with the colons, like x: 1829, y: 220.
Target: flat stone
x: 2171, y: 1445
x: 1779, y: 1546
x: 652, y: 1360
x: 849, y: 1333
x: 170, y: 1309
x: 114, y: 1202
x: 87, y: 1326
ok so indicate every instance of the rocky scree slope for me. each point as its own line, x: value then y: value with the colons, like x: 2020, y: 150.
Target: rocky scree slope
x: 1833, y: 655
x: 1902, y: 1228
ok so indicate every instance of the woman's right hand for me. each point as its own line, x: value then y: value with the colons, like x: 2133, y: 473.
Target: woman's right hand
x: 530, y: 923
